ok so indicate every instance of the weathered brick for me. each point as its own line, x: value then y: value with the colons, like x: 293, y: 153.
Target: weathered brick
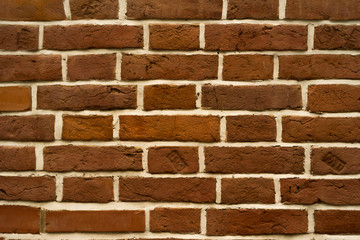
x: 256, y: 9
x: 17, y: 158
x: 27, y: 128
x: 30, y: 68
x: 15, y: 99
x: 95, y: 221
x: 258, y: 98
x: 84, y: 97
x: 250, y: 128
x: 19, y: 37
x: 173, y: 67
x: 254, y: 159
x: 39, y: 189
x: 92, y: 36
x: 87, y: 128
x: 319, y: 67
x: 333, y: 37
x: 242, y: 37
x: 169, y: 97
x: 337, y: 222
x: 221, y: 222
x: 19, y: 219
x: 94, y: 9
x: 170, y: 128
x: 167, y: 189
x: 320, y: 129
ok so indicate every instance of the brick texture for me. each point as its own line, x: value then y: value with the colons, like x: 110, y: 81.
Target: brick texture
x: 19, y: 219
x: 257, y: 9
x: 9, y: 158
x: 15, y: 99
x: 337, y: 222
x: 337, y: 37
x: 94, y: 9
x: 19, y: 37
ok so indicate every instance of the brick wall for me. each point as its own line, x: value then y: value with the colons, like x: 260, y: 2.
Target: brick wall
x: 188, y: 119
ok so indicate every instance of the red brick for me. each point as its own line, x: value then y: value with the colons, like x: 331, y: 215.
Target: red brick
x: 173, y: 67
x: 169, y: 97
x: 19, y: 37
x: 335, y: 161
x: 221, y: 222
x: 96, y: 189
x: 195, y: 190
x: 173, y: 160
x: 328, y: 191
x: 27, y: 128
x: 334, y: 98
x: 94, y: 9
x: 95, y: 221
x: 242, y: 37
x: 19, y: 219
x: 333, y: 37
x: 170, y: 128
x: 247, y: 190
x: 17, y: 158
x: 247, y: 67
x: 323, y: 9
x: 87, y: 67
x: 15, y: 99
x: 250, y: 128
x: 34, y: 10
x: 320, y: 129
x: 319, y: 67
x: 257, y: 9
x: 39, y: 189
x: 87, y: 128
x: 86, y: 158
x: 164, y: 9
x: 254, y: 160
x: 92, y: 36
x: 256, y: 98
x: 86, y: 97
x: 174, y: 37
x: 30, y: 68
x: 337, y: 222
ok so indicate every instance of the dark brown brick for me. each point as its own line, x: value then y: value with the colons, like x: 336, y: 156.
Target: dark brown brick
x: 256, y: 9
x: 19, y: 37
x: 333, y: 37
x: 337, y: 222
x: 15, y: 99
x: 19, y: 219
x: 94, y: 9
x: 17, y: 158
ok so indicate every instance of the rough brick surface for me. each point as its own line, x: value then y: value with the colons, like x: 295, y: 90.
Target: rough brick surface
x: 94, y: 9
x: 15, y: 99
x: 340, y: 37
x: 19, y: 37
x: 19, y: 219
x: 9, y: 158
x: 337, y: 222
x: 257, y: 9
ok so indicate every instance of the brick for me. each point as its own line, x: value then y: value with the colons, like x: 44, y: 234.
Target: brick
x: 87, y: 67
x: 320, y: 129
x: 256, y: 9
x: 15, y: 99
x: 39, y: 189
x: 334, y: 98
x: 335, y: 161
x: 19, y: 37
x: 27, y: 128
x: 170, y: 128
x: 250, y: 128
x: 256, y: 98
x: 92, y: 36
x: 19, y: 219
x: 173, y: 67
x: 169, y: 97
x: 174, y: 37
x: 243, y: 37
x: 197, y: 190
x: 221, y: 222
x: 86, y: 158
x: 247, y: 190
x: 94, y: 9
x: 95, y: 221
x: 337, y: 222
x: 87, y: 128
x: 328, y: 191
x: 334, y: 37
x: 33, y: 68
x: 312, y: 67
x: 175, y: 220
x: 86, y: 97
x: 173, y: 160
x: 280, y: 160
x: 247, y: 67
x: 163, y: 9
x: 96, y: 189
x: 323, y: 9
x: 35, y: 10
x: 17, y: 158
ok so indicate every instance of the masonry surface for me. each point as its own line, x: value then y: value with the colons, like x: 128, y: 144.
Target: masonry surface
x: 187, y: 119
